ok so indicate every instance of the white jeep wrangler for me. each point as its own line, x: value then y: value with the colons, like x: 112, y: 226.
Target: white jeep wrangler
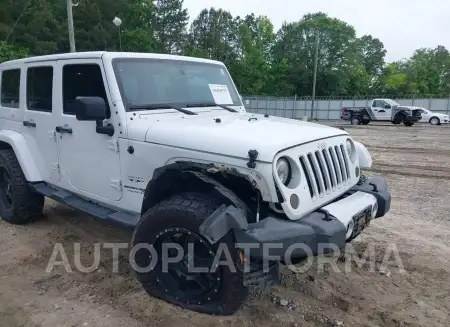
x: 163, y: 145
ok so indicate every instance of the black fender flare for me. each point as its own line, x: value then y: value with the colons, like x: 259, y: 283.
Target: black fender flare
x: 186, y: 177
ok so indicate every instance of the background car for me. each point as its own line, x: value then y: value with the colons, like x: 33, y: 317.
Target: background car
x: 433, y: 118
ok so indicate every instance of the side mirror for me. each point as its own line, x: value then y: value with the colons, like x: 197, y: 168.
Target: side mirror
x: 386, y: 106
x: 88, y: 108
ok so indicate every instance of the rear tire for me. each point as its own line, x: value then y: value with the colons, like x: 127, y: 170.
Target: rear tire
x: 18, y: 204
x: 408, y: 123
x: 355, y: 121
x: 365, y: 122
x: 182, y: 214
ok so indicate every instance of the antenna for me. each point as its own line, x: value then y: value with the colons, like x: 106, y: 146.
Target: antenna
x: 117, y: 21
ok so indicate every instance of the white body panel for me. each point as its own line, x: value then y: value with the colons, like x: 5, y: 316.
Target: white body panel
x: 427, y: 115
x: 380, y: 110
x: 90, y: 161
x: 100, y: 168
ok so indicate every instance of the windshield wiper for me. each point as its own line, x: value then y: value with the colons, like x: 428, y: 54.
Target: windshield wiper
x: 209, y: 104
x: 162, y: 106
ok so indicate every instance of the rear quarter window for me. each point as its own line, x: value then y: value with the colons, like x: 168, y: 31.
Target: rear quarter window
x: 10, y: 88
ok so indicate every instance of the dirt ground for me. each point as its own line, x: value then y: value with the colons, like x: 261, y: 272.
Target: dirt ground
x: 416, y: 162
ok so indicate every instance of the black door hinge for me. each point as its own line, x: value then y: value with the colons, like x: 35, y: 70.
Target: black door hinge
x: 252, y: 155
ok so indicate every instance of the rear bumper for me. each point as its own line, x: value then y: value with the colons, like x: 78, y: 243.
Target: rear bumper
x: 322, y: 231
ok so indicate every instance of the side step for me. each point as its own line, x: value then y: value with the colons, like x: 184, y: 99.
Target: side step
x: 124, y: 219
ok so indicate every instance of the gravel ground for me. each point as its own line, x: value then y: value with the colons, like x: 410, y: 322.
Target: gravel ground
x: 405, y: 282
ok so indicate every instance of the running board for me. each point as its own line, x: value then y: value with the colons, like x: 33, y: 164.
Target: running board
x: 124, y: 219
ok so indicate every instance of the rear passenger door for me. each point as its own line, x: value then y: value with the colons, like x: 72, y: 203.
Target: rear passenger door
x: 39, y: 118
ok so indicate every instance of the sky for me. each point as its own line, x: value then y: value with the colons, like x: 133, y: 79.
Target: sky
x: 402, y: 25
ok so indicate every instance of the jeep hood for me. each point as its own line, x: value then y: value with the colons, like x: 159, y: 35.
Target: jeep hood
x: 228, y: 134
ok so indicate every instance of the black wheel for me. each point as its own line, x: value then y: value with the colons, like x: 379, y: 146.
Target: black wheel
x: 435, y: 121
x: 365, y: 122
x: 355, y: 120
x: 176, y: 220
x: 18, y: 204
x: 399, y: 118
x: 408, y: 123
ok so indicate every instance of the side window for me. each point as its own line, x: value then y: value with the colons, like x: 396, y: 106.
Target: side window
x: 376, y: 104
x: 40, y: 88
x: 10, y: 88
x: 382, y: 104
x: 82, y: 80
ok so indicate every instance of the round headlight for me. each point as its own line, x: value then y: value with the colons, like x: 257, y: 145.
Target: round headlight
x: 284, y: 170
x: 350, y: 150
x: 348, y: 147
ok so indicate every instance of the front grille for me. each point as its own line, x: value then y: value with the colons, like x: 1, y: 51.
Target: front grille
x: 325, y: 170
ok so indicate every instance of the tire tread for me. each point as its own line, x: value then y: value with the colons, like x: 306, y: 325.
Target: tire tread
x: 27, y: 205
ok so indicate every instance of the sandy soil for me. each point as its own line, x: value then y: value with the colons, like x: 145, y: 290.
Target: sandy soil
x: 416, y: 162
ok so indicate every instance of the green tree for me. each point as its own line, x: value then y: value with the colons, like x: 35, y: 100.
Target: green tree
x: 171, y: 21
x: 10, y: 52
x: 251, y: 69
x: 372, y: 52
x: 430, y: 70
x: 214, y: 34
x: 394, y: 81
x: 337, y: 53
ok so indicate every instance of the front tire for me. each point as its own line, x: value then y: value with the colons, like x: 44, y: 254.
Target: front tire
x: 18, y: 204
x: 435, y: 121
x: 177, y: 220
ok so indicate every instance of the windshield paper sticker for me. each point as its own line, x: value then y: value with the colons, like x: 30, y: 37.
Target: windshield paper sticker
x: 220, y: 94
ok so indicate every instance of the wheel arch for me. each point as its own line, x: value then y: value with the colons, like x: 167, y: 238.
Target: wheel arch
x: 400, y: 115
x: 439, y: 120
x: 16, y: 141
x: 181, y: 177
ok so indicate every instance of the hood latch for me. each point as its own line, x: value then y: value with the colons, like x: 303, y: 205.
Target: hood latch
x: 252, y: 155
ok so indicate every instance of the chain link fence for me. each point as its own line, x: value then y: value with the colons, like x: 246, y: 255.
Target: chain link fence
x: 329, y: 107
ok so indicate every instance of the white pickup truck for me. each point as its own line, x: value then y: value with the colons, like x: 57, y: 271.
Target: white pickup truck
x: 382, y: 110
x: 216, y: 197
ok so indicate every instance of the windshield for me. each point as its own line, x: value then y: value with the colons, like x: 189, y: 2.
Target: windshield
x: 162, y: 81
x: 392, y: 102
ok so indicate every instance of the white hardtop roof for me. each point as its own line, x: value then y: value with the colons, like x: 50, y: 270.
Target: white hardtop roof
x: 105, y: 55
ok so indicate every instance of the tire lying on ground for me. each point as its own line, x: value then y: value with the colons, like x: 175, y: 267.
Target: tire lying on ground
x: 18, y: 204
x: 177, y: 220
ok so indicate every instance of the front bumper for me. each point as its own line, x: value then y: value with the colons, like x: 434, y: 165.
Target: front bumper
x: 322, y: 231
x: 412, y: 119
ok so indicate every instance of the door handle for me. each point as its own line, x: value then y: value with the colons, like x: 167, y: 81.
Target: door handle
x: 28, y: 123
x: 61, y: 129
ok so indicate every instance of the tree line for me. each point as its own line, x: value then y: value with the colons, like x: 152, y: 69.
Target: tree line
x: 262, y: 60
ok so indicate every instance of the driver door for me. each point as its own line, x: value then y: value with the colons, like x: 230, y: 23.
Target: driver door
x: 382, y: 110
x: 89, y: 160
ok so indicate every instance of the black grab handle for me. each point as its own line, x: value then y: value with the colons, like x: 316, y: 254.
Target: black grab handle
x: 61, y: 129
x: 29, y: 123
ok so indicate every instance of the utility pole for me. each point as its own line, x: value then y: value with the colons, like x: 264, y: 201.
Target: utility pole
x: 316, y: 55
x: 70, y: 25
